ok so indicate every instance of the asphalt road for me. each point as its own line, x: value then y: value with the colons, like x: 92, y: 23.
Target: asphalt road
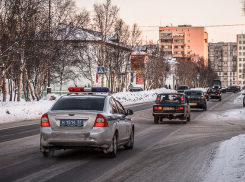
x: 171, y: 151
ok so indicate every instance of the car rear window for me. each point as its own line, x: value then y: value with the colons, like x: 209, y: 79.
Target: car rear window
x: 182, y: 88
x: 197, y: 93
x: 80, y: 103
x: 171, y: 98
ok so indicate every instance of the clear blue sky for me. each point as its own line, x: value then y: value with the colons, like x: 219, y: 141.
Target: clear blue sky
x: 179, y: 12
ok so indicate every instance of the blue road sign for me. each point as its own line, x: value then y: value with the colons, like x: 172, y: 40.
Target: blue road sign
x: 101, y: 70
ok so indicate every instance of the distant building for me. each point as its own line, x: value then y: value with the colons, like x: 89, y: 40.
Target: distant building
x: 181, y: 41
x: 240, y: 59
x: 223, y: 59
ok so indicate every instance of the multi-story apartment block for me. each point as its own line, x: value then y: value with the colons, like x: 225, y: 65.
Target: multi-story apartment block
x: 223, y: 59
x: 184, y: 40
x: 241, y: 59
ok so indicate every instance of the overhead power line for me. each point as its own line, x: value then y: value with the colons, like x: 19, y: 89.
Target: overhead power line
x: 201, y: 26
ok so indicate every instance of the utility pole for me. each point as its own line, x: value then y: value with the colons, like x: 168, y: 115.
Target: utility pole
x: 49, y: 88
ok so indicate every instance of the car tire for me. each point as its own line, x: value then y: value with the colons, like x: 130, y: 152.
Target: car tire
x: 156, y: 120
x: 114, y: 147
x: 50, y: 153
x: 184, y: 122
x: 130, y: 143
x: 220, y: 99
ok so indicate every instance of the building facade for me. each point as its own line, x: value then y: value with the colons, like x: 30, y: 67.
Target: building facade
x: 241, y: 59
x: 223, y: 60
x: 184, y: 40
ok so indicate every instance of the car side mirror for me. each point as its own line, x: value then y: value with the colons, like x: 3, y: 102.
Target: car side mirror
x: 130, y: 112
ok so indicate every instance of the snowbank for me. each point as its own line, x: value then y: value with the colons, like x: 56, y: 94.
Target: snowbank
x: 229, y: 164
x: 17, y: 111
x: 127, y: 98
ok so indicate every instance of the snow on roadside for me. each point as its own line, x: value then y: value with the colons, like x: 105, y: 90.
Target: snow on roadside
x: 17, y: 111
x: 229, y: 164
x: 127, y: 98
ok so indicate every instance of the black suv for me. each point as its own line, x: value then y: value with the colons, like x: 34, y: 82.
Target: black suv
x: 182, y: 88
x: 234, y: 89
x: 196, y: 99
x: 213, y: 93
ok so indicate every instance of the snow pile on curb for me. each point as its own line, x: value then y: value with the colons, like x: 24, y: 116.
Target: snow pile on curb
x: 127, y: 98
x: 230, y: 162
x: 17, y: 111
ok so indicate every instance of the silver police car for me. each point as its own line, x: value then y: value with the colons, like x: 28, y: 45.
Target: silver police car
x: 85, y: 118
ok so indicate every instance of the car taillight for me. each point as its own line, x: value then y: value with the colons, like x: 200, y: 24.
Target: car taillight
x: 157, y: 108
x: 182, y: 98
x: 158, y: 98
x: 45, y: 120
x: 179, y: 108
x: 202, y: 98
x: 218, y: 94
x: 100, y: 121
x: 206, y: 94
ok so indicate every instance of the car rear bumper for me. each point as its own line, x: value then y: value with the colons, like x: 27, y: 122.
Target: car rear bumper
x: 214, y: 97
x: 198, y: 105
x: 97, y: 137
x: 167, y: 115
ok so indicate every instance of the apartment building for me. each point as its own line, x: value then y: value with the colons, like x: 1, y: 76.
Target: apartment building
x: 184, y: 40
x: 241, y: 59
x: 223, y: 59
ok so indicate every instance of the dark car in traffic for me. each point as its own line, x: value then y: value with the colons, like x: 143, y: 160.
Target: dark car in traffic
x: 136, y: 89
x: 182, y: 88
x: 213, y: 93
x: 243, y: 100
x: 196, y: 99
x: 223, y: 89
x: 233, y: 89
x: 171, y: 106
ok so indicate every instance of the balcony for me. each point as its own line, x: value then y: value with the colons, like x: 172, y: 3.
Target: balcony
x: 178, y: 43
x: 178, y: 49
x: 166, y: 38
x: 178, y: 37
x: 166, y: 43
x: 166, y: 49
x: 177, y: 55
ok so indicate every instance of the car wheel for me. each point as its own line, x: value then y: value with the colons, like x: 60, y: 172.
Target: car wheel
x: 130, y: 144
x: 114, y: 147
x: 50, y: 153
x: 156, y: 119
x: 184, y: 122
x: 220, y: 99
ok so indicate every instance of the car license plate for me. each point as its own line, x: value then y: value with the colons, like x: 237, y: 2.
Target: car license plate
x: 168, y: 108
x: 71, y: 122
x: 192, y: 104
x: 212, y: 94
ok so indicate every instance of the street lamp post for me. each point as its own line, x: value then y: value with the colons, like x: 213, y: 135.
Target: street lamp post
x: 198, y: 77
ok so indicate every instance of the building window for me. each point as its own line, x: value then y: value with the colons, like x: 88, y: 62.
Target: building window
x: 189, y: 47
x: 240, y: 65
x: 243, y: 53
x: 240, y: 71
x: 243, y: 47
x: 243, y: 59
x: 234, y: 73
x: 243, y: 82
x: 240, y: 53
x: 240, y: 82
x: 240, y: 76
x: 233, y: 78
x: 225, y: 62
x: 188, y: 35
x: 244, y: 42
x: 231, y: 74
x: 225, y: 78
x: 189, y: 41
x: 243, y: 64
x: 225, y: 74
x: 240, y: 42
x: 240, y: 47
x: 240, y: 59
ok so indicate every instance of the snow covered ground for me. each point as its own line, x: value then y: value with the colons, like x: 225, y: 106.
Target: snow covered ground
x: 17, y: 111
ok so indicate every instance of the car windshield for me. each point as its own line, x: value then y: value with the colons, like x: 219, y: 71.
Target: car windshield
x: 80, y: 103
x: 171, y: 98
x: 195, y: 93
x: 182, y: 88
x: 216, y: 84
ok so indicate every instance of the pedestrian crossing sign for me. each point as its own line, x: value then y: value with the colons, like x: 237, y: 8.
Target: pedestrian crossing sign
x: 101, y: 70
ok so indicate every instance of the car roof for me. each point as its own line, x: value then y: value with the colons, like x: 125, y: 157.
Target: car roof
x: 85, y: 95
x: 193, y: 91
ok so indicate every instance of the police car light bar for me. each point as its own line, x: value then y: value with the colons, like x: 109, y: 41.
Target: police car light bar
x: 88, y: 89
